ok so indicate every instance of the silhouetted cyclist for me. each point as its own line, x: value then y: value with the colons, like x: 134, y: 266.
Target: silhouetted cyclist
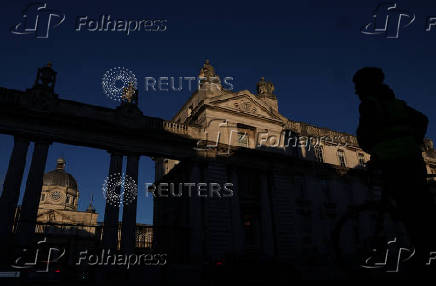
x: 393, y: 133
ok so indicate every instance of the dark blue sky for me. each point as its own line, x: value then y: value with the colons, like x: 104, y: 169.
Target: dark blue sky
x: 308, y: 49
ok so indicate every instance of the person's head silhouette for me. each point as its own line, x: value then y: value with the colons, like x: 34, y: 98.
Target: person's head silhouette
x: 367, y: 80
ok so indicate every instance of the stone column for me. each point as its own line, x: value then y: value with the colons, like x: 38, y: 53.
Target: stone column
x: 12, y: 185
x: 128, y: 229
x: 266, y: 217
x: 237, y: 228
x: 111, y: 212
x: 29, y: 208
x: 195, y: 216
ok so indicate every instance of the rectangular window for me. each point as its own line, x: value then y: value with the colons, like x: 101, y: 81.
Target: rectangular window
x: 243, y: 139
x: 341, y: 157
x: 68, y: 199
x: 319, y: 154
x: 42, y: 197
x: 362, y: 160
x: 244, y: 132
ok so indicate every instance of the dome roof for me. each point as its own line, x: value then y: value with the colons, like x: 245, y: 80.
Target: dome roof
x: 59, y: 177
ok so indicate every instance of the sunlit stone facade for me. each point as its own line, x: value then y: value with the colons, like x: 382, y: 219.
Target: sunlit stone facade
x: 292, y: 180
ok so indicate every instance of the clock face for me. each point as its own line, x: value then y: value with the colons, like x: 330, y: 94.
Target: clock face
x: 55, y: 196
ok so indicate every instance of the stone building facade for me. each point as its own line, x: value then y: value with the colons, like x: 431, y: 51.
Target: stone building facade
x: 241, y: 118
x: 58, y: 206
x: 291, y: 180
x: 58, y: 212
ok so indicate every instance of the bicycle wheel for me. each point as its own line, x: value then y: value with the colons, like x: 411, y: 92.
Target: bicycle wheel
x: 364, y: 231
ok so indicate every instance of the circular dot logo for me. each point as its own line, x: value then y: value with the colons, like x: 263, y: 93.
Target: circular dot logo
x: 119, y: 189
x: 116, y: 81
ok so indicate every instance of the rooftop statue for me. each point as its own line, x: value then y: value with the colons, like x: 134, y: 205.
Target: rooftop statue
x: 207, y: 71
x: 265, y: 88
x: 129, y: 94
x: 46, y: 77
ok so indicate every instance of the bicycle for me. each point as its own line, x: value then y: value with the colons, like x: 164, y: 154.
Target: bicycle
x: 384, y: 224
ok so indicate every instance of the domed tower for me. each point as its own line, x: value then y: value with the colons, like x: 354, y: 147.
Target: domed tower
x: 59, y: 189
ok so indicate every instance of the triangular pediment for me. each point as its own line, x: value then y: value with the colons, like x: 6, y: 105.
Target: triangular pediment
x: 244, y: 103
